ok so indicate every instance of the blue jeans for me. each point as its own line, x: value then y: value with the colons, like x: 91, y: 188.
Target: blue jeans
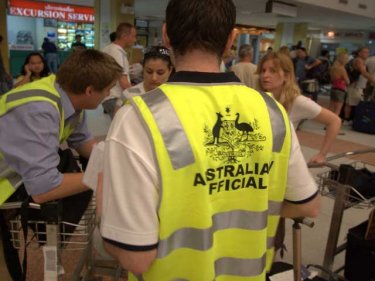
x: 52, y: 61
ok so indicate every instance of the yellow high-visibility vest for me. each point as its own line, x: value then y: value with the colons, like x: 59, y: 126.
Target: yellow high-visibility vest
x: 222, y: 152
x: 41, y: 90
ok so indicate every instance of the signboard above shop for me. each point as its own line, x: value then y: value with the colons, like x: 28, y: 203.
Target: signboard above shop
x: 61, y: 12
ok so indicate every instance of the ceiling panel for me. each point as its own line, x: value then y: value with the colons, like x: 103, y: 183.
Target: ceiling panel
x: 252, y: 12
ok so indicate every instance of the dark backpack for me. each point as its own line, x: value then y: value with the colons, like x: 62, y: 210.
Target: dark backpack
x: 321, y: 73
x: 353, y: 74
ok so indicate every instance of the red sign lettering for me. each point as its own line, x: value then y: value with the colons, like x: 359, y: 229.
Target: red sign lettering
x: 51, y: 11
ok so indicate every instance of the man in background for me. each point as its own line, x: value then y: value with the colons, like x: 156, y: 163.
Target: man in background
x: 245, y: 70
x: 51, y: 55
x: 357, y: 85
x: 125, y: 38
x: 78, y: 43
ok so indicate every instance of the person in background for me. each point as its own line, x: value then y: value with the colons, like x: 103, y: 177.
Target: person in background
x: 78, y: 44
x: 245, y: 70
x: 125, y: 38
x: 294, y: 48
x: 370, y: 89
x: 157, y: 66
x: 284, y: 50
x: 34, y: 68
x: 339, y: 83
x: 356, y: 87
x: 228, y: 60
x: 45, y: 113
x: 277, y: 76
x: 303, y: 63
x: 112, y: 36
x: 51, y: 55
x: 177, y: 202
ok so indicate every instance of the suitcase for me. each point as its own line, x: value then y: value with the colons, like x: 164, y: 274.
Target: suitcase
x: 364, y: 117
x: 360, y: 255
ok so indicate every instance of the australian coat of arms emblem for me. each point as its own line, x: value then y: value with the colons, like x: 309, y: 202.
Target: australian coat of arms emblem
x: 231, y: 138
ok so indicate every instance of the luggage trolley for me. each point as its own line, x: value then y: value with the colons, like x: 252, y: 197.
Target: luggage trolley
x: 56, y: 237
x: 335, y: 186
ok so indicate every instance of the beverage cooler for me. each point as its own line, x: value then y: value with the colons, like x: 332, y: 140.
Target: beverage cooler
x: 66, y: 32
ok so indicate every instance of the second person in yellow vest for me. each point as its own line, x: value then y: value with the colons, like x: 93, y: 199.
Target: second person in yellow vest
x: 198, y: 171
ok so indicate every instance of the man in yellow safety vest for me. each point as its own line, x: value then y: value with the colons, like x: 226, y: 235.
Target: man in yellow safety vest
x: 37, y: 117
x: 198, y: 171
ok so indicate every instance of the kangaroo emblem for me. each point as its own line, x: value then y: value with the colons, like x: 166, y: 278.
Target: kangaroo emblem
x: 245, y: 128
x: 216, y: 129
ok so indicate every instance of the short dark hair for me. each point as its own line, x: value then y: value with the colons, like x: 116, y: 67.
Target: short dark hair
x: 200, y: 24
x: 84, y: 68
x: 123, y: 28
x: 158, y: 52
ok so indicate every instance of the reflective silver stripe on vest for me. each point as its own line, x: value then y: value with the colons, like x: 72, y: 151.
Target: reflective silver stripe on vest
x: 7, y: 173
x: 175, y: 139
x: 270, y: 242
x: 201, y: 239
x: 277, y: 121
x: 274, y: 208
x: 240, y: 267
x: 35, y: 93
x: 15, y: 180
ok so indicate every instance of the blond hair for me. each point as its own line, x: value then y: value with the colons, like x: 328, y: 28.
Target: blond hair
x: 290, y: 88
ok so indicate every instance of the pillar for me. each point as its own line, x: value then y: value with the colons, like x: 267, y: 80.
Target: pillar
x: 290, y: 33
x: 118, y: 13
x: 300, y: 33
x: 4, y: 33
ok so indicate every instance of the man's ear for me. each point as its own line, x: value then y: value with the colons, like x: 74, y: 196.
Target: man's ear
x: 165, y: 37
x: 89, y: 91
x: 232, y: 36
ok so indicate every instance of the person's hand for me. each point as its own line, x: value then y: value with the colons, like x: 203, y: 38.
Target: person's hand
x: 27, y: 70
x: 317, y: 159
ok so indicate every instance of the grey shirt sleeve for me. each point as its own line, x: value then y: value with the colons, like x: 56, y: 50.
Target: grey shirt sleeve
x: 29, y: 141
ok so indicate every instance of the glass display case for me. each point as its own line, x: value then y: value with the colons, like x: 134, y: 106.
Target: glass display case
x: 66, y: 32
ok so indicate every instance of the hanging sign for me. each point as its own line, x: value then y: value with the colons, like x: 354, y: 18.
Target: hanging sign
x: 50, y: 11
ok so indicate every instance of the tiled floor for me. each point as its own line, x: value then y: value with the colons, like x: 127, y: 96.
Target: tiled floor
x: 313, y: 240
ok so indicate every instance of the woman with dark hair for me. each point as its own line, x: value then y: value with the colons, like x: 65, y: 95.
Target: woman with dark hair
x: 34, y: 68
x: 157, y: 66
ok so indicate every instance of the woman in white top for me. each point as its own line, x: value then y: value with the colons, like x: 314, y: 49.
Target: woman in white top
x: 277, y: 76
x: 157, y: 66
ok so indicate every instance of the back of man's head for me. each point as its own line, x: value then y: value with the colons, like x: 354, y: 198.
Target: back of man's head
x: 324, y: 53
x: 123, y: 28
x: 112, y: 36
x: 200, y: 24
x: 85, y: 68
x: 245, y: 52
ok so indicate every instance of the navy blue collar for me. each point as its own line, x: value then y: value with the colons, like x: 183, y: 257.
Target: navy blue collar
x: 203, y: 77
